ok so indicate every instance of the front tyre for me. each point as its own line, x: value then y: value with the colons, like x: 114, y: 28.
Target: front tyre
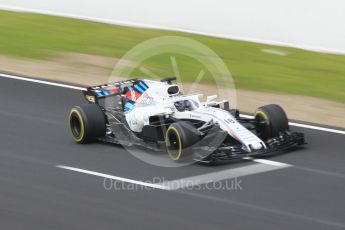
x: 179, y: 138
x: 87, y: 123
x: 274, y: 121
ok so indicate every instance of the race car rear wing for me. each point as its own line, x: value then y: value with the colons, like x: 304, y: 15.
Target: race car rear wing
x: 94, y: 93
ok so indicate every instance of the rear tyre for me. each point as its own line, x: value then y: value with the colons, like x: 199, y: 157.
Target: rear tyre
x: 179, y: 139
x: 87, y: 123
x: 275, y: 118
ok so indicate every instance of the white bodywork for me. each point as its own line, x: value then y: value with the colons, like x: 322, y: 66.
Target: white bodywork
x: 157, y: 101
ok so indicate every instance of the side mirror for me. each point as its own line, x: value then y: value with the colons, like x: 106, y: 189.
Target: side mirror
x: 210, y: 98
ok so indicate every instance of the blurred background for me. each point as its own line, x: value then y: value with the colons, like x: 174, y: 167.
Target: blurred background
x: 286, y: 52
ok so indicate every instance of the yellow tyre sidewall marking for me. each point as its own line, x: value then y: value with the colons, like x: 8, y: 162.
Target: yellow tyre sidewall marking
x: 82, y: 128
x: 180, y: 144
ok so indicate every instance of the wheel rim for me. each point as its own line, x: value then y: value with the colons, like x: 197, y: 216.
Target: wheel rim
x: 174, y: 145
x: 266, y: 131
x: 76, y: 125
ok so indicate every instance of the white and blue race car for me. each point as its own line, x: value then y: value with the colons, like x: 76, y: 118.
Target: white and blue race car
x: 156, y: 115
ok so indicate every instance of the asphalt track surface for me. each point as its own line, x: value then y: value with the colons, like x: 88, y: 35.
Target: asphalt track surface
x: 35, y: 194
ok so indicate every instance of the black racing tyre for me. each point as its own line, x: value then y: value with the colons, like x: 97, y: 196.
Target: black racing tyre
x: 87, y: 123
x: 276, y: 119
x: 179, y: 139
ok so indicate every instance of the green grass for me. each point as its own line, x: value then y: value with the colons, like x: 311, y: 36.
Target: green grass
x: 34, y: 36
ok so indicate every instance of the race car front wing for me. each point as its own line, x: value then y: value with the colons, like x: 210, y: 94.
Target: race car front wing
x: 210, y: 150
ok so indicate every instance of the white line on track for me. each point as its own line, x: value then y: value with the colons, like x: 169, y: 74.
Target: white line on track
x: 190, y: 182
x: 84, y: 89
x: 42, y: 82
x: 317, y: 128
x: 157, y: 186
x: 306, y: 126
x: 227, y: 174
x: 268, y: 162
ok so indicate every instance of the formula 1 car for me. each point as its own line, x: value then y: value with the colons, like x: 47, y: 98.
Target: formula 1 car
x: 156, y: 115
